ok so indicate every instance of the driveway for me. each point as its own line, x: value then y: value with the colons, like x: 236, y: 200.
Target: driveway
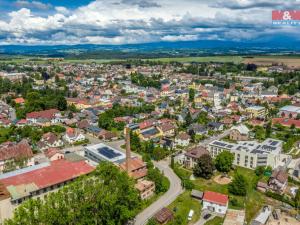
x: 165, y: 200
x: 202, y: 221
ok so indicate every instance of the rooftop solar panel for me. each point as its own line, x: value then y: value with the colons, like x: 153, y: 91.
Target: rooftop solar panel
x: 108, y: 152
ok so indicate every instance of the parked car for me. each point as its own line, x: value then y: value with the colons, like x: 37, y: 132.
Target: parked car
x: 206, y: 216
x: 191, y: 213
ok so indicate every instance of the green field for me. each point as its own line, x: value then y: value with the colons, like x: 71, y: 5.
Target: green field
x: 234, y: 59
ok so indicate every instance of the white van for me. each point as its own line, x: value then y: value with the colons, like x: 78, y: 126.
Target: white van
x: 191, y: 213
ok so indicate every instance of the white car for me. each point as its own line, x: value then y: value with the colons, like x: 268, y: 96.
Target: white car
x: 191, y: 213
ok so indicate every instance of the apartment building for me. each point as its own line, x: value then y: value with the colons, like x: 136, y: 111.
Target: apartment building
x: 250, y: 154
x: 256, y: 111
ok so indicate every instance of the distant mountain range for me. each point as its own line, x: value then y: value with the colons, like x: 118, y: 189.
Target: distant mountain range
x: 280, y: 45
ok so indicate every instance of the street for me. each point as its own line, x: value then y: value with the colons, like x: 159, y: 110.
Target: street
x: 174, y: 191
x: 205, y: 142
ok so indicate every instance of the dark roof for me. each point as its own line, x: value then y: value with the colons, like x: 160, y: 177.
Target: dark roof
x: 197, y: 194
x: 196, y: 152
x: 164, y: 215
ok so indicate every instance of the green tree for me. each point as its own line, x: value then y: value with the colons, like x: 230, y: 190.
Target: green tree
x: 161, y: 183
x: 204, y: 167
x: 224, y: 161
x: 191, y: 94
x: 188, y: 119
x: 238, y: 186
x: 62, y: 103
x: 297, y: 199
x: 269, y: 129
x: 107, y: 196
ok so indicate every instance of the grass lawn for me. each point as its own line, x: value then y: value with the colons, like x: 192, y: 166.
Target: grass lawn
x: 215, y: 221
x: 184, y: 203
x: 252, y: 202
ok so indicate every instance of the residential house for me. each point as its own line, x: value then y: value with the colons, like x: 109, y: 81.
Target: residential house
x: 72, y: 136
x: 192, y: 156
x: 167, y: 129
x: 256, y: 111
x: 239, y: 133
x: 215, y: 202
x: 10, y: 151
x: 49, y: 140
x: 182, y: 139
x: 107, y: 135
x: 197, y: 129
x: 215, y: 126
x: 278, y: 180
x: 54, y: 154
x: 289, y: 111
x: 46, y: 117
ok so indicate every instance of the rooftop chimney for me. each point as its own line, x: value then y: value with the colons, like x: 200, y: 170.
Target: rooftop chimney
x: 128, y: 154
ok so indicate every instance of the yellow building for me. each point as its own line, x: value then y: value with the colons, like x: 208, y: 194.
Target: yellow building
x: 256, y: 111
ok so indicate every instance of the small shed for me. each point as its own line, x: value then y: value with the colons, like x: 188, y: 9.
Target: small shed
x: 163, y: 216
x: 197, y: 194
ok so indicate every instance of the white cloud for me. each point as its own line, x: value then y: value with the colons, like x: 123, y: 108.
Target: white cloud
x: 135, y: 21
x: 32, y: 4
x: 62, y: 10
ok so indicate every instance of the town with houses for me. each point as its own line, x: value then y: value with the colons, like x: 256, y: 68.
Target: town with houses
x: 225, y: 137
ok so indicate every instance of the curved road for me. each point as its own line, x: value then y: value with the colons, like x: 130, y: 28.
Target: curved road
x: 165, y: 200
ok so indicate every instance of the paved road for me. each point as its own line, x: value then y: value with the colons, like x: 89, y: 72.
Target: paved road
x: 213, y: 138
x: 165, y: 200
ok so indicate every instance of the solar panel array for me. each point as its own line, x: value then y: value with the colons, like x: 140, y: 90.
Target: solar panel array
x: 108, y: 152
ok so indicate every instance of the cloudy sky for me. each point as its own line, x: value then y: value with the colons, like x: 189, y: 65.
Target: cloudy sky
x: 139, y: 21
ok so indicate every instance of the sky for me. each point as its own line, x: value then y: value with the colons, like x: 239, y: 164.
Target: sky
x: 57, y: 22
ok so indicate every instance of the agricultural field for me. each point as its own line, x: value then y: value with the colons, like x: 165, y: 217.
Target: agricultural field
x: 290, y: 61
x: 222, y: 59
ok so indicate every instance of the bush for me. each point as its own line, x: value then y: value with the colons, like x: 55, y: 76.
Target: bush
x: 238, y: 186
x: 280, y: 197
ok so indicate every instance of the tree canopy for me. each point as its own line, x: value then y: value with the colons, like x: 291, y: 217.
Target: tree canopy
x: 204, y: 167
x: 224, y: 161
x: 107, y: 196
x: 238, y: 186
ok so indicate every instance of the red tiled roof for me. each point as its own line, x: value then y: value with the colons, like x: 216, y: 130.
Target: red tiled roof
x: 286, y: 122
x: 146, y: 124
x: 51, y: 152
x: 19, y: 100
x: 48, y: 114
x: 15, y: 151
x: 58, y: 172
x: 215, y: 197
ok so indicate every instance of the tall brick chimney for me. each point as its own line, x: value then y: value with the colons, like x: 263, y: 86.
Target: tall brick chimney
x: 128, y: 151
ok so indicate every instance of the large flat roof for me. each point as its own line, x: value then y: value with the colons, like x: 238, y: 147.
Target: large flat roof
x: 106, y: 152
